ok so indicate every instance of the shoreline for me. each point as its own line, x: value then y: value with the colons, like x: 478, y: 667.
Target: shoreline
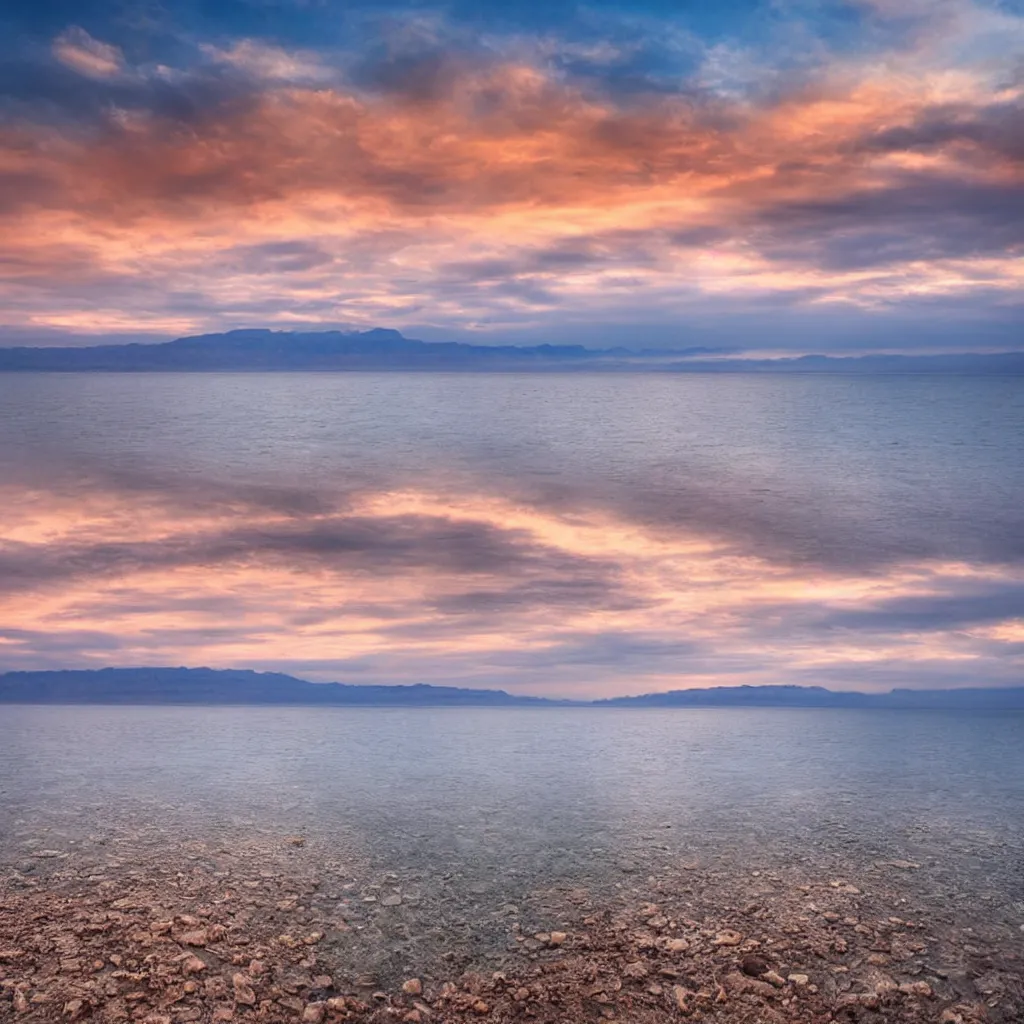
x: 268, y: 931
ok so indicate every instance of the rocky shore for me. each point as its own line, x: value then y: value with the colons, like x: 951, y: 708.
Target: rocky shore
x: 276, y: 931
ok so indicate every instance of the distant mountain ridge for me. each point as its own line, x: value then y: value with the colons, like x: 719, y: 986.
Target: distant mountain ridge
x: 205, y: 686
x: 384, y: 349
x: 225, y: 686
x: 377, y: 349
x: 1010, y: 698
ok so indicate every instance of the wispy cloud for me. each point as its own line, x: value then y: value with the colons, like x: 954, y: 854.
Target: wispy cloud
x: 568, y: 592
x: 80, y: 52
x: 426, y: 174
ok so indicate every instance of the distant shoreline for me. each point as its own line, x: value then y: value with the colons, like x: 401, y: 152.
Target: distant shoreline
x: 382, y: 351
x: 553, y: 706
x: 205, y: 687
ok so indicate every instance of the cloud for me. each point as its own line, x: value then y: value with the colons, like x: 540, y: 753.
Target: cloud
x: 959, y: 607
x: 499, y: 574
x: 267, y: 63
x: 417, y: 171
x: 79, y: 51
x: 383, y: 545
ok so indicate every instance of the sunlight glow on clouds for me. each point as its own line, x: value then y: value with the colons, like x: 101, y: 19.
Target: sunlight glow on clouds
x: 79, y: 51
x: 515, y: 183
x: 474, y: 589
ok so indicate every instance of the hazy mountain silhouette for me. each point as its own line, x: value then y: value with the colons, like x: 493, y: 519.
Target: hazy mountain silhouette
x: 381, y: 349
x: 236, y: 686
x: 378, y: 349
x: 819, y: 697
x: 224, y: 686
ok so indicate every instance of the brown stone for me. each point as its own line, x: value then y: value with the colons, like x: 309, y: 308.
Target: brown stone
x: 192, y: 965
x: 681, y: 997
x: 413, y: 987
x: 917, y: 988
x: 243, y: 990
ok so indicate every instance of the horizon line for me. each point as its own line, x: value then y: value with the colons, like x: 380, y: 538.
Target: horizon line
x: 796, y: 691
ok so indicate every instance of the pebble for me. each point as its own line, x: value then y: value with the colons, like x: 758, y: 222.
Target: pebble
x: 192, y: 965
x: 243, y: 990
x: 682, y: 999
x: 413, y: 987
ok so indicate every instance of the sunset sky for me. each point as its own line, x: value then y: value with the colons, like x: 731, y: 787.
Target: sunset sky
x: 768, y: 176
x: 789, y: 175
x: 567, y: 535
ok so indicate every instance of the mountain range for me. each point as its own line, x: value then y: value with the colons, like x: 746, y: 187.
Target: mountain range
x: 204, y: 686
x: 383, y: 349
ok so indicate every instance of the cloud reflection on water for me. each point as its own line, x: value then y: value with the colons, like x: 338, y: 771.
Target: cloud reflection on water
x: 476, y: 587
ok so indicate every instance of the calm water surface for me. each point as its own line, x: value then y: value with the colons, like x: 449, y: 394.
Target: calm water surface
x: 525, y: 793
x: 830, y: 467
x: 559, y: 534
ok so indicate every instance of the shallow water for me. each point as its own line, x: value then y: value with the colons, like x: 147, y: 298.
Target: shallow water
x: 511, y: 799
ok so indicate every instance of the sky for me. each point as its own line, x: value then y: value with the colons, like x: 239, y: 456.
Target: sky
x: 796, y: 175
x: 557, y: 535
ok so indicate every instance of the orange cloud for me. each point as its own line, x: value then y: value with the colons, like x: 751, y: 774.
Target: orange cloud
x: 503, y: 189
x: 467, y: 586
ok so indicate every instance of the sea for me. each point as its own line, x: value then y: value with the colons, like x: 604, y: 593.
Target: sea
x: 577, y: 535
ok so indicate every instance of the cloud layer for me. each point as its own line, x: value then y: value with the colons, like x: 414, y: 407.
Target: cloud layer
x: 531, y: 178
x: 419, y: 586
x: 555, y: 536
